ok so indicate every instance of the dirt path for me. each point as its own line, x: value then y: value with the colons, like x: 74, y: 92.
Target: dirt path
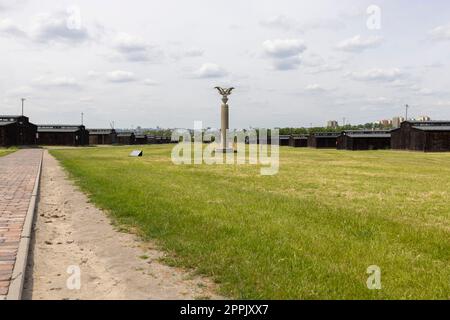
x: 70, y: 231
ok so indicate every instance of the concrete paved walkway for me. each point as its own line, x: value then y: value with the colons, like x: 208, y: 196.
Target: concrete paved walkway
x: 18, y: 174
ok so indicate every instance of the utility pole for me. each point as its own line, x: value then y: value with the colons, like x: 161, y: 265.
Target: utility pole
x: 82, y: 118
x: 406, y: 112
x: 23, y: 100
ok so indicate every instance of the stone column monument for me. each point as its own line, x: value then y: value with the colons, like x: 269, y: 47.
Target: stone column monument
x: 224, y: 147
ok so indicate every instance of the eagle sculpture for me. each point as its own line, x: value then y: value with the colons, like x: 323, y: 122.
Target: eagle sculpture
x: 224, y: 91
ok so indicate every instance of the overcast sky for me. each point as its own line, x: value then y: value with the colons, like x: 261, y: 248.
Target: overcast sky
x: 155, y: 63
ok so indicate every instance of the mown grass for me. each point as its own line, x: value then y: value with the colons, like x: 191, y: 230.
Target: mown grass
x: 5, y: 151
x: 309, y: 232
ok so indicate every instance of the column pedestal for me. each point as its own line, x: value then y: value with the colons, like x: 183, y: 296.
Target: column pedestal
x: 224, y: 147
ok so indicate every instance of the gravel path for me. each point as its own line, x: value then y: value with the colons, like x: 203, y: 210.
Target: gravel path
x: 72, y: 235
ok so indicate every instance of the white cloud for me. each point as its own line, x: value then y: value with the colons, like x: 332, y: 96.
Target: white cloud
x: 409, y: 86
x: 283, y: 48
x: 8, y: 27
x: 279, y: 21
x: 93, y: 74
x: 134, y: 48
x: 422, y: 91
x: 8, y: 4
x: 400, y: 83
x: 62, y: 82
x: 125, y: 42
x: 314, y: 88
x: 323, y: 23
x: 287, y: 63
x: 378, y: 101
x: 442, y: 103
x: 20, y: 91
x: 317, y: 64
x: 286, y: 23
x: 434, y: 65
x: 326, y: 68
x: 120, y: 76
x: 210, y: 70
x: 86, y: 99
x: 56, y: 27
x: 384, y: 75
x: 441, y: 33
x: 150, y: 82
x: 313, y: 60
x: 285, y: 53
x: 187, y: 53
x: 193, y: 52
x: 358, y: 43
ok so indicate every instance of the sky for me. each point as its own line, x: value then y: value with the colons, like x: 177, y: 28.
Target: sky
x: 156, y: 63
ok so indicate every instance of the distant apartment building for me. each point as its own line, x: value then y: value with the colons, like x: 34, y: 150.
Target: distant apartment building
x: 332, y: 124
x: 396, y: 121
x: 385, y: 122
x: 424, y: 118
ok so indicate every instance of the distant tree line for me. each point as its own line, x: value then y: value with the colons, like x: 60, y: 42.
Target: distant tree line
x: 303, y: 130
x: 167, y: 133
x: 291, y: 130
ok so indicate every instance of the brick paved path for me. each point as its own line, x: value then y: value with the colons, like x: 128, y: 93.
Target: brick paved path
x: 18, y: 173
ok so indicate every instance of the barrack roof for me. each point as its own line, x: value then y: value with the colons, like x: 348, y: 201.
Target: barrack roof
x: 367, y: 133
x: 57, y: 129
x: 5, y: 123
x: 125, y: 134
x: 10, y: 116
x: 101, y: 131
x: 60, y: 126
x: 371, y: 135
x: 430, y: 122
x: 432, y: 128
x: 326, y: 134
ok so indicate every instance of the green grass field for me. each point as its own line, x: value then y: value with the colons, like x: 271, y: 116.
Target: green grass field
x: 5, y: 151
x: 309, y: 232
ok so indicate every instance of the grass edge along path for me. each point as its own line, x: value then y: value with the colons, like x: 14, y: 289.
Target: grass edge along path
x: 6, y: 151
